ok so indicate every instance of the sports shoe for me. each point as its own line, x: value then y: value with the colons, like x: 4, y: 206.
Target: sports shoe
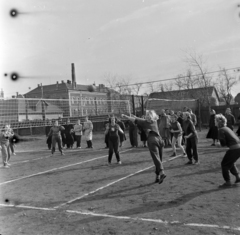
x: 196, y: 163
x: 109, y: 164
x: 79, y: 147
x: 162, y: 177
x: 184, y: 155
x: 157, y: 179
x: 225, y: 185
x: 120, y: 163
x: 5, y: 166
x: 213, y: 144
x: 8, y: 164
x: 173, y: 155
x: 14, y: 153
x: 189, y: 163
x: 62, y: 154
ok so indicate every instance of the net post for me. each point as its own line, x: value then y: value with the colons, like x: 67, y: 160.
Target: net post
x: 199, y: 114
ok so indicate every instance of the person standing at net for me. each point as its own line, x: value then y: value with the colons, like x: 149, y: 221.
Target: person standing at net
x: 88, y: 128
x: 176, y: 130
x: 154, y: 141
x: 4, y: 146
x: 228, y: 138
x: 113, y: 130
x: 191, y: 139
x: 230, y: 118
x: 78, y: 133
x: 69, y: 134
x: 55, y: 132
x: 213, y: 129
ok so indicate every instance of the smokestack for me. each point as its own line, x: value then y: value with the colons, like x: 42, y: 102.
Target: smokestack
x: 73, y: 77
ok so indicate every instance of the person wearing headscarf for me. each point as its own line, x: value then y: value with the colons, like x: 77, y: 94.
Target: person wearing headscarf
x: 228, y: 138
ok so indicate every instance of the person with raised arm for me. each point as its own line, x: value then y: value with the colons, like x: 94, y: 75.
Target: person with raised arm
x: 154, y: 141
x: 228, y: 138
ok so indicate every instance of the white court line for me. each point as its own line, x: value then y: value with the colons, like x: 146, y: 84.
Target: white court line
x: 35, y: 159
x: 28, y: 207
x: 55, y: 169
x: 125, y: 217
x: 114, y: 182
x: 153, y: 220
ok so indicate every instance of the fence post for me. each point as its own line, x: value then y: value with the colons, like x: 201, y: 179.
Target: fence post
x: 133, y: 104
x: 142, y: 105
x: 199, y: 114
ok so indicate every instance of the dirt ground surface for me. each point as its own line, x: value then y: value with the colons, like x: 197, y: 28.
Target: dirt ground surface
x: 78, y: 193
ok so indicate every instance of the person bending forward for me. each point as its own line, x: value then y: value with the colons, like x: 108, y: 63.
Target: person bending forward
x: 228, y: 138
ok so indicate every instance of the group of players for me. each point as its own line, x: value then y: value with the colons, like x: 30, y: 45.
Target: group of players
x: 156, y: 131
x: 65, y: 135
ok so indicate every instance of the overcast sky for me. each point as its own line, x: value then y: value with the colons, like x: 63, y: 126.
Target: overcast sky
x: 144, y: 39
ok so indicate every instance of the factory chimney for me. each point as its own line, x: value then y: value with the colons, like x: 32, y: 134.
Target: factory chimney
x: 73, y: 77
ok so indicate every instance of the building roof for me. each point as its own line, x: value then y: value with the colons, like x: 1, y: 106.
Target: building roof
x: 65, y: 86
x: 184, y: 94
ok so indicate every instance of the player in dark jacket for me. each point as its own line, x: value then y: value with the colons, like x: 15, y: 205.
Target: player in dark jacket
x: 228, y: 138
x: 113, y: 140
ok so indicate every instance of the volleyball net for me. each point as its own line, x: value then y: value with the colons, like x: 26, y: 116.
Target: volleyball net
x: 27, y: 112
x: 175, y: 105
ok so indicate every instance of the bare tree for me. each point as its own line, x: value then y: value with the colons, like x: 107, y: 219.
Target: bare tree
x: 197, y: 64
x: 225, y: 85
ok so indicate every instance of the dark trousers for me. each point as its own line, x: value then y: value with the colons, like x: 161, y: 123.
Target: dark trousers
x: 133, y: 136
x: 106, y: 140
x: 78, y: 140
x: 229, y: 163
x: 113, y: 147
x: 58, y: 140
x: 191, y: 149
x: 49, y: 142
x: 155, y: 146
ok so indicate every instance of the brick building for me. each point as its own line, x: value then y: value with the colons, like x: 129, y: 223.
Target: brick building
x: 77, y: 100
